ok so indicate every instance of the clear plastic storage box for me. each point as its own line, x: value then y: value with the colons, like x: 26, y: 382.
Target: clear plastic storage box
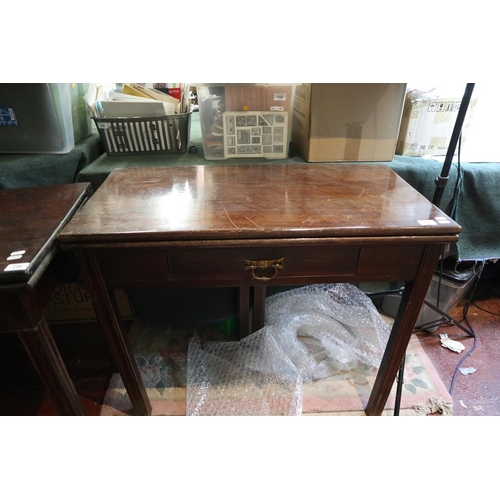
x: 83, y: 126
x: 445, y: 292
x: 247, y: 120
x: 36, y: 118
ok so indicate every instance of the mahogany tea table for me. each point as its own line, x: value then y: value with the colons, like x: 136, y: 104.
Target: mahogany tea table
x: 249, y: 226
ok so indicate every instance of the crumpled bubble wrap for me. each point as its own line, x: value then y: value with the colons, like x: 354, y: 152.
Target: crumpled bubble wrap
x: 250, y: 377
x: 311, y: 332
x: 327, y: 329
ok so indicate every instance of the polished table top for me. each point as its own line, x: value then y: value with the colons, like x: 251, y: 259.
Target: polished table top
x: 30, y: 219
x: 255, y: 201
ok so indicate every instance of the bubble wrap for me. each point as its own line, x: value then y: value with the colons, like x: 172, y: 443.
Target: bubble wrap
x: 327, y: 329
x: 249, y: 377
x: 311, y: 332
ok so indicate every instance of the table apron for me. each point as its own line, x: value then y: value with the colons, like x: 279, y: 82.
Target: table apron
x: 257, y: 265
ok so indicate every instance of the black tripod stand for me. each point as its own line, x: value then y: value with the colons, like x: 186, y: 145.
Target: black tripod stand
x: 442, y: 179
x: 441, y: 182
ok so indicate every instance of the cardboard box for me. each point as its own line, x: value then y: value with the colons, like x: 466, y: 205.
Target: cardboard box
x: 428, y: 122
x: 70, y: 303
x: 347, y: 121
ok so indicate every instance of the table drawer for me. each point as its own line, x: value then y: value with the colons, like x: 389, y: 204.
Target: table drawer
x: 133, y: 265
x: 255, y: 264
x: 390, y: 262
x: 228, y: 266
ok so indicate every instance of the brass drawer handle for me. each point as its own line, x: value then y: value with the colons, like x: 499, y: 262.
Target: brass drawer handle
x: 264, y: 264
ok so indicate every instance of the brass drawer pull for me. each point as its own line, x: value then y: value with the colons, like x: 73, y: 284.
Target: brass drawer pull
x: 264, y: 264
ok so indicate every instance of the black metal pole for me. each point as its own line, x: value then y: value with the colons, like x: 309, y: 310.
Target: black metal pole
x: 399, y: 387
x: 457, y: 130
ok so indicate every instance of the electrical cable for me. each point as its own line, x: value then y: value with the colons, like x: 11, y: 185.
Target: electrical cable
x: 485, y: 310
x: 451, y: 208
x: 441, y: 321
x: 452, y: 211
x: 441, y: 181
x: 465, y: 318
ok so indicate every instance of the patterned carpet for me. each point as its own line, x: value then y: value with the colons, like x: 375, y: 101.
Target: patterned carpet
x: 162, y: 357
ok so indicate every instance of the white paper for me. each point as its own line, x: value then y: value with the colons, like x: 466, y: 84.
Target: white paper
x: 453, y: 345
x: 146, y: 108
x: 467, y: 371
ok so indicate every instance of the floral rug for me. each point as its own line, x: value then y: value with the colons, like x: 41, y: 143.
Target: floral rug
x: 162, y: 352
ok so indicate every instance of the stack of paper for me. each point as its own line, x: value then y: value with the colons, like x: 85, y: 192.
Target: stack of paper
x: 139, y: 101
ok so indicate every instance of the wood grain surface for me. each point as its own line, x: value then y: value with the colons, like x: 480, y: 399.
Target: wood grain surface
x: 255, y: 201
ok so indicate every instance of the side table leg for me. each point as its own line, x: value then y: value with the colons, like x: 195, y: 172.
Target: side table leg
x: 119, y: 345
x: 45, y: 356
x: 243, y: 311
x: 259, y: 309
x: 402, y: 329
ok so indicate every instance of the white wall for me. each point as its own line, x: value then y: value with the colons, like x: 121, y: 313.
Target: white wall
x: 483, y: 138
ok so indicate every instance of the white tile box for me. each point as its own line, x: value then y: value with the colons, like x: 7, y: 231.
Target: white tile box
x: 250, y: 120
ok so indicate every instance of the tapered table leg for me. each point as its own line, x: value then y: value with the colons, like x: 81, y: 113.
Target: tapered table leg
x: 119, y: 344
x: 45, y: 356
x: 243, y: 311
x: 259, y: 311
x: 406, y: 318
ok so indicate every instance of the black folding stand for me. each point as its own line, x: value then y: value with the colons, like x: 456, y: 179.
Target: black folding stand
x: 441, y: 182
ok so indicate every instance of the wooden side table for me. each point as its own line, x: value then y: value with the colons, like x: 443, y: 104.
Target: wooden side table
x: 31, y: 265
x: 249, y: 226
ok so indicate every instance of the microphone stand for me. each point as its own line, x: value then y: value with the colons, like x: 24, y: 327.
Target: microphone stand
x: 442, y: 179
x: 441, y: 182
